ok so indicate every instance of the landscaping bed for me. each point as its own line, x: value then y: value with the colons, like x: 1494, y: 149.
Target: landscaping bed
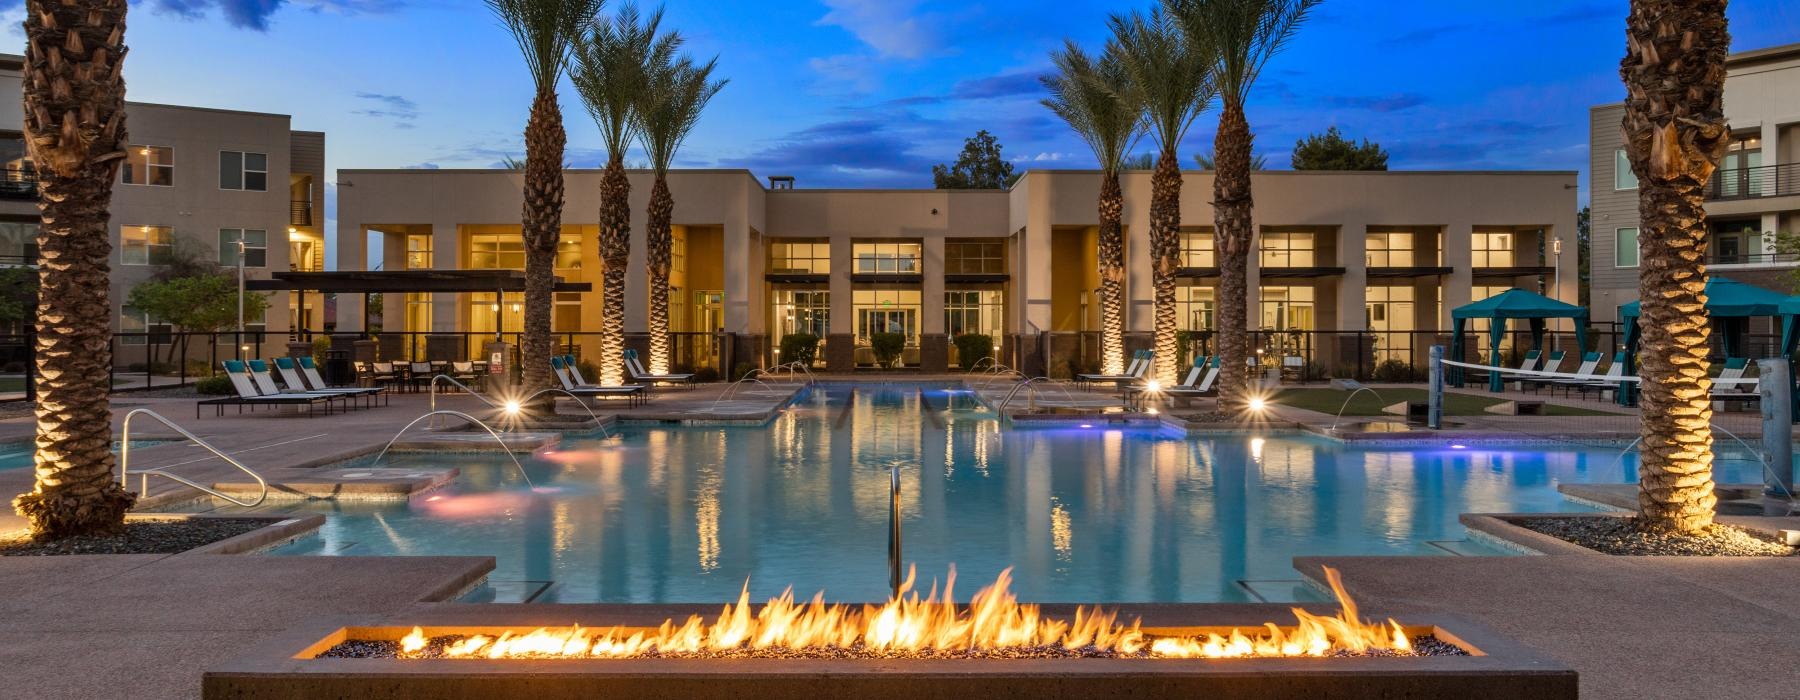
x: 139, y: 537
x: 1620, y: 536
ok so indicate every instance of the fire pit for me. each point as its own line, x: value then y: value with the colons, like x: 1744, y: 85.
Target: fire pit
x: 913, y: 646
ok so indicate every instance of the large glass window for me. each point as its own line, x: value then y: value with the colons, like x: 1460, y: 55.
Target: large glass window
x: 974, y: 257
x: 1389, y: 249
x: 1623, y: 177
x: 418, y: 312
x: 418, y: 251
x: 800, y: 258
x: 1491, y: 249
x: 801, y: 311
x: 18, y: 243
x: 506, y: 251
x: 1287, y: 249
x: 1197, y: 249
x: 1287, y: 308
x: 1733, y: 242
x: 974, y: 311
x: 149, y: 165
x: 146, y: 245
x: 256, y: 247
x: 1389, y: 312
x: 1738, y: 175
x: 1625, y: 247
x: 886, y: 258
x: 240, y: 170
x: 887, y: 311
x: 1194, y: 308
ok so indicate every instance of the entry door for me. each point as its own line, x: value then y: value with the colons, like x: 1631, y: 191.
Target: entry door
x: 709, y: 315
x: 887, y: 321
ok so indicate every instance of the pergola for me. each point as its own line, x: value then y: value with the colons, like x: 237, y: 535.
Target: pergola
x: 1513, y: 304
x: 371, y: 282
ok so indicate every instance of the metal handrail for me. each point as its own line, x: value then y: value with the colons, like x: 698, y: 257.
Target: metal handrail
x: 145, y: 474
x: 578, y: 402
x: 503, y: 446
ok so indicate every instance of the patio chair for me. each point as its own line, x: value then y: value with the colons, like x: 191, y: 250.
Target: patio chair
x: 637, y: 373
x: 383, y: 374
x: 1140, y: 363
x: 264, y: 381
x: 296, y: 380
x: 1192, y: 389
x: 636, y: 393
x: 1610, y: 380
x: 1584, y: 372
x: 1727, y: 387
x: 1530, y: 363
x: 420, y: 374
x: 465, y: 372
x: 248, y: 395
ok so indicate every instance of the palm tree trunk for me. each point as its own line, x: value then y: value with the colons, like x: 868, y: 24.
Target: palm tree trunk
x: 1112, y: 275
x: 1675, y: 134
x: 1165, y: 258
x: 1231, y: 218
x: 74, y: 106
x: 658, y: 240
x: 615, y: 250
x: 542, y: 230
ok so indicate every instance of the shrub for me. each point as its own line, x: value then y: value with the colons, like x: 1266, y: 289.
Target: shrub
x: 588, y: 370
x: 887, y: 348
x: 972, y: 348
x: 321, y: 345
x: 706, y: 374
x: 1393, y: 371
x: 799, y: 347
x: 214, y: 386
x: 741, y: 370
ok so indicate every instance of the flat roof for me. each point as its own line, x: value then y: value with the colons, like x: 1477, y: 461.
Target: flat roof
x: 394, y: 281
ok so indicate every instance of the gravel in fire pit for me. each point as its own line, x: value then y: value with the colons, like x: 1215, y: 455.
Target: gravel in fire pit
x: 1619, y: 536
x: 434, y: 649
x: 139, y: 537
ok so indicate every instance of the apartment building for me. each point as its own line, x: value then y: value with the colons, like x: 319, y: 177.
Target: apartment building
x: 1354, y: 266
x: 1753, y: 196
x: 196, y: 178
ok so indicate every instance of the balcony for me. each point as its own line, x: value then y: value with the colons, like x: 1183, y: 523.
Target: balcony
x: 1779, y: 180
x: 1717, y: 259
x: 300, y: 213
x: 18, y: 183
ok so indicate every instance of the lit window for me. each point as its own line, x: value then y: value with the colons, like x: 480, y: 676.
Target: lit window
x: 149, y: 165
x: 1194, y: 308
x: 1625, y: 248
x: 146, y: 245
x: 1491, y: 249
x: 1287, y: 308
x: 1389, y: 313
x: 1287, y: 249
x: 974, y: 257
x: 973, y: 311
x: 1389, y: 249
x: 241, y: 170
x: 1623, y: 177
x: 1197, y: 249
x: 506, y: 251
x: 887, y: 258
x: 418, y: 252
x: 256, y: 247
x: 887, y: 311
x: 801, y: 311
x: 800, y: 258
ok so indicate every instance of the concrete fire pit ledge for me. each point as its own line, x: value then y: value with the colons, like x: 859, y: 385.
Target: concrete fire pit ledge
x: 285, y: 666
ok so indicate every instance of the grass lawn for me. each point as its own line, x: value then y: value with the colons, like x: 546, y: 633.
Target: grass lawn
x: 1367, y: 403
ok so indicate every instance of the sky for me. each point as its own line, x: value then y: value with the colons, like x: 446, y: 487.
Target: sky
x: 871, y: 93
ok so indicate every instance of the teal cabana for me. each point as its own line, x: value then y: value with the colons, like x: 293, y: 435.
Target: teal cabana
x: 1729, y: 305
x: 1513, y: 305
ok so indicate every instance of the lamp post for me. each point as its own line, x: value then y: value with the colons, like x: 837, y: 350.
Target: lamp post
x: 1556, y: 283
x: 240, y: 295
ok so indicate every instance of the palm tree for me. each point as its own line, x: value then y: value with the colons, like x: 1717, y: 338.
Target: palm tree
x: 1675, y: 134
x: 74, y: 104
x: 613, y: 66
x: 1239, y: 37
x: 1099, y: 102
x: 667, y: 111
x: 1175, y: 86
x: 546, y: 30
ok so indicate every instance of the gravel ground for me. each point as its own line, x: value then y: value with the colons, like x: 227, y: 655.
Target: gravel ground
x: 434, y: 648
x: 1619, y: 536
x: 140, y: 537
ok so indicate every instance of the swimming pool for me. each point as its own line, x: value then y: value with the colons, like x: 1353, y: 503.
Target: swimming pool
x: 687, y: 514
x: 18, y: 455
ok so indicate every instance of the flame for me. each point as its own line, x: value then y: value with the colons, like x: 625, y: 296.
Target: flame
x: 908, y: 625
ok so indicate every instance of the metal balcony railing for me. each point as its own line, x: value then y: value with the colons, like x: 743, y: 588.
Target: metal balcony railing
x: 1779, y: 180
x: 18, y: 183
x: 1751, y: 258
x: 300, y: 213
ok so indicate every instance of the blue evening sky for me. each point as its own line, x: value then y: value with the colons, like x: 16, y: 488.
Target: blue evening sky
x: 854, y: 93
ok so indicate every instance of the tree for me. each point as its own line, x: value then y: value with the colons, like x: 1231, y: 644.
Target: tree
x: 1583, y: 257
x: 668, y: 109
x: 18, y: 297
x: 1242, y: 36
x: 1097, y: 99
x: 1171, y: 75
x: 1141, y: 161
x: 979, y: 167
x: 206, y: 303
x: 1675, y: 134
x: 546, y: 31
x: 1331, y: 151
x: 1206, y: 161
x: 74, y: 123
x: 613, y: 66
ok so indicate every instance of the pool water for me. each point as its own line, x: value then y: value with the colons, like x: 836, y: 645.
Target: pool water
x: 18, y: 455
x: 688, y: 514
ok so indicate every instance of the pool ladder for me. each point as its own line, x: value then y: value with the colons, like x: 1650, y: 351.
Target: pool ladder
x: 144, y: 475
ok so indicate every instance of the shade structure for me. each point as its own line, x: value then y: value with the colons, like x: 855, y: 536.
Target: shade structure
x: 1512, y: 305
x: 1730, y: 305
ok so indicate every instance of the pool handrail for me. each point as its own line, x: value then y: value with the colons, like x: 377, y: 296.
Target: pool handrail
x: 145, y: 474
x: 503, y: 446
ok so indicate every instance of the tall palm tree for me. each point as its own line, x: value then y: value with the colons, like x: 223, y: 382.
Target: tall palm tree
x: 667, y: 111
x: 75, y: 131
x: 1239, y: 36
x: 613, y: 66
x: 1098, y: 100
x: 1173, y: 81
x: 1675, y: 134
x: 546, y: 30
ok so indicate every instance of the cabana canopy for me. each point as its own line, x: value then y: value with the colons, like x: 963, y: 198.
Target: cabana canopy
x: 1514, y: 304
x: 1790, y: 325
x: 1729, y: 303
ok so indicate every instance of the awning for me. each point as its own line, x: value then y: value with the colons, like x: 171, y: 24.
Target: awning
x: 404, y: 281
x: 1512, y: 304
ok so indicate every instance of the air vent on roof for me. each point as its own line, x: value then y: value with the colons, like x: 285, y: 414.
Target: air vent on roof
x: 781, y: 182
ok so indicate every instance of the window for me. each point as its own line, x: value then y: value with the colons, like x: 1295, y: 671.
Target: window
x: 801, y: 311
x: 1623, y: 177
x: 678, y: 252
x: 506, y: 251
x: 418, y: 252
x: 800, y: 258
x: 1197, y: 249
x: 566, y: 317
x: 1625, y: 247
x: 887, y: 311
x: 1287, y: 249
x: 139, y: 328
x: 146, y: 245
x: 1739, y: 172
x: 1734, y: 242
x: 1491, y: 249
x: 241, y: 170
x: 1287, y: 308
x: 973, y: 311
x: 418, y: 312
x: 18, y: 243
x: 1389, y: 313
x: 974, y: 258
x: 1194, y: 308
x: 150, y: 165
x: 256, y: 247
x: 887, y: 258
x: 568, y: 252
x: 1390, y: 249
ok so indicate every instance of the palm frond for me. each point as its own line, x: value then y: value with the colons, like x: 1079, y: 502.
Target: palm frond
x: 546, y: 31
x: 1098, y: 100
x: 613, y: 66
x: 1240, y: 36
x: 1173, y: 77
x: 673, y: 99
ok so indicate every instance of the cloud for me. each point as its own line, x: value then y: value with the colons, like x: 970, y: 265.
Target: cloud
x: 854, y: 70
x: 401, y: 110
x: 422, y: 166
x: 887, y: 26
x: 860, y: 150
x: 1008, y: 85
x: 255, y: 14
x: 1388, y: 103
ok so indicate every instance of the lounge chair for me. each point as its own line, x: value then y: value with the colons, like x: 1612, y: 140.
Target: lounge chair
x: 1728, y: 385
x: 297, y: 380
x: 1202, y: 387
x: 1533, y: 362
x: 637, y: 373
x: 1584, y: 372
x: 1140, y: 363
x: 1610, y: 380
x: 264, y: 380
x: 565, y: 373
x: 249, y: 395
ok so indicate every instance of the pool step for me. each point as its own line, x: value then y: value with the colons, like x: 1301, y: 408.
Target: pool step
x: 507, y: 592
x: 1281, y: 590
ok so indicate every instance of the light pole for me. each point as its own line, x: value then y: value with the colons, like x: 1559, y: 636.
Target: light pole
x: 240, y: 296
x: 1556, y: 283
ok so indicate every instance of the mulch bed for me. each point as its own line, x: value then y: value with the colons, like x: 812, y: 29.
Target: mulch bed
x: 139, y: 537
x: 1620, y: 536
